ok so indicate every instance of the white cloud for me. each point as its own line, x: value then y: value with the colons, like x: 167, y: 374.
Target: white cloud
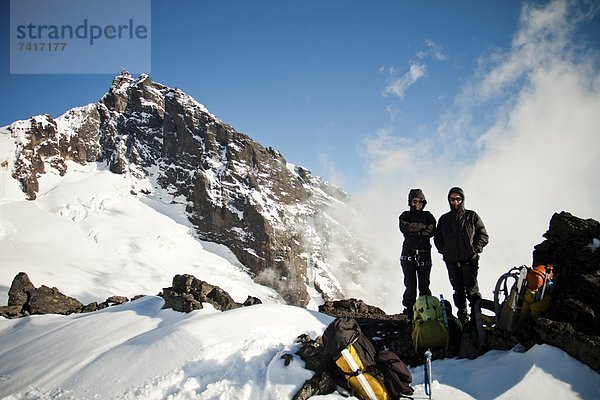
x: 433, y: 50
x: 398, y: 84
x: 538, y: 155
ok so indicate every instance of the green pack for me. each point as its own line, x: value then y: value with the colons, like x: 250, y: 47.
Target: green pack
x: 429, y: 330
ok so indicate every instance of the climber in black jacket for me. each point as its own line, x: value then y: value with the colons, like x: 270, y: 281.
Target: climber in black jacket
x: 418, y: 227
x: 460, y: 237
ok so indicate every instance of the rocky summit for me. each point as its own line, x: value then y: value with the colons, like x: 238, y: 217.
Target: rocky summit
x: 276, y: 217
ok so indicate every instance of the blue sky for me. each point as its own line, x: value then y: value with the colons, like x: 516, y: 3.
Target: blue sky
x: 307, y: 78
x: 323, y: 81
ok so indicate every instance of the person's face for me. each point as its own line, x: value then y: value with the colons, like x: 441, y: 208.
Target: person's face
x: 417, y: 204
x: 455, y: 200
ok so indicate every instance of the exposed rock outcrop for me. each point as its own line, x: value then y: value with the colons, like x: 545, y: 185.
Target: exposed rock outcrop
x: 25, y: 299
x: 352, y: 308
x: 573, y: 323
x: 188, y: 293
x: 20, y: 290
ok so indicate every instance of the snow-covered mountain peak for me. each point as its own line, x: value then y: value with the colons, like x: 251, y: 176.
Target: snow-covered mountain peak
x: 284, y: 224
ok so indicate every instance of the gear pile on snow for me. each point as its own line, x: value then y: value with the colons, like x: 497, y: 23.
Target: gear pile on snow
x: 571, y: 321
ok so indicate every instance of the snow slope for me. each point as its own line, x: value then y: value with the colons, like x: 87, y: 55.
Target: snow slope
x: 140, y: 351
x: 89, y: 236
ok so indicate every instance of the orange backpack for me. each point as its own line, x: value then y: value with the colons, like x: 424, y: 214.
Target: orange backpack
x: 536, y: 276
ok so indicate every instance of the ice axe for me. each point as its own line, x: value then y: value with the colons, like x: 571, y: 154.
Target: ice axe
x: 427, y: 374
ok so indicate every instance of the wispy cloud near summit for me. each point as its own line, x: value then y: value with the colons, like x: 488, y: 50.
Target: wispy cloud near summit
x: 398, y: 83
x: 434, y: 50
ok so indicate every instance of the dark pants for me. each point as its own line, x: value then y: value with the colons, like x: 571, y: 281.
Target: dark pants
x: 415, y: 271
x: 463, y: 277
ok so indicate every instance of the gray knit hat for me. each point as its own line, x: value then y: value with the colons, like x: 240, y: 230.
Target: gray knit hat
x: 416, y: 194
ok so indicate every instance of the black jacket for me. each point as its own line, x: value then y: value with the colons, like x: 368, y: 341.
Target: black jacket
x: 460, y: 234
x: 417, y: 226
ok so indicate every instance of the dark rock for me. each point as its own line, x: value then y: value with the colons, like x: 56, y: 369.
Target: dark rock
x: 46, y: 144
x: 20, y: 290
x: 182, y: 302
x: 116, y: 300
x: 45, y: 300
x: 321, y: 383
x: 352, y: 308
x: 188, y: 293
x: 90, y: 307
x: 584, y: 347
x: 25, y: 299
x: 573, y: 322
x: 287, y: 359
x: 11, y: 312
x: 251, y: 300
x: 221, y: 299
x: 469, y: 344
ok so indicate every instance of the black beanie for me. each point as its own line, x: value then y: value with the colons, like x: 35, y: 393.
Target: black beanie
x: 458, y: 191
x: 416, y: 194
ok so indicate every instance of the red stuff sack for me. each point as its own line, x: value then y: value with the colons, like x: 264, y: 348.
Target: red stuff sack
x: 537, y: 275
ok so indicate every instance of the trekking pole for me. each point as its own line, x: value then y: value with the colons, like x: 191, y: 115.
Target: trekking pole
x: 427, y: 374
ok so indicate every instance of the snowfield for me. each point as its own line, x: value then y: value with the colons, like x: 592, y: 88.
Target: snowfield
x: 140, y: 351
